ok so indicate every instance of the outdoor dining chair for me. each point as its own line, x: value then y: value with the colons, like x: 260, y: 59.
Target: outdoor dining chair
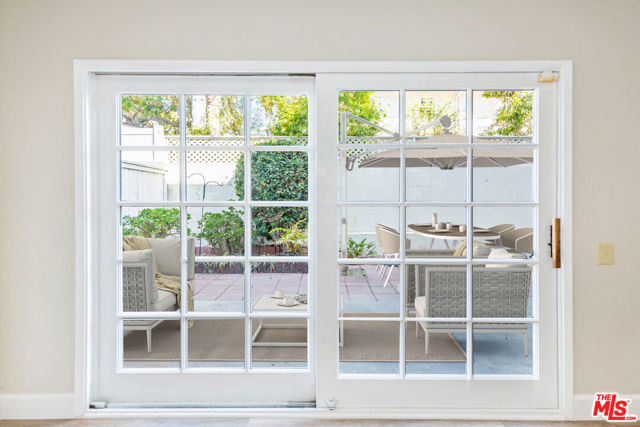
x: 389, y: 242
x: 500, y: 229
x: 520, y: 239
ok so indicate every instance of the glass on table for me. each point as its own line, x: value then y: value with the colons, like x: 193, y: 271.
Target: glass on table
x: 279, y: 286
x: 427, y: 241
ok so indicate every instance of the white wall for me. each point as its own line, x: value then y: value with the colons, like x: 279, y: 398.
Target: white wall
x: 40, y: 39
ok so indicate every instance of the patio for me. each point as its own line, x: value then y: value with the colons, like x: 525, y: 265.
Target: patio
x: 361, y: 293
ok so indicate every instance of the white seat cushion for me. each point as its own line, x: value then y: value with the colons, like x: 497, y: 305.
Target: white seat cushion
x: 481, y: 251
x: 167, y: 252
x: 499, y: 253
x: 167, y: 301
x: 421, y: 306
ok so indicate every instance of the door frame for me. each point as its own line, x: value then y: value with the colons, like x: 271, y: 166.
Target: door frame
x: 85, y: 226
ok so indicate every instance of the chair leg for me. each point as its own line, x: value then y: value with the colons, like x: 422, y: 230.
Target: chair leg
x: 417, y: 329
x: 426, y: 342
x: 149, y: 340
x: 380, y: 267
x: 386, y: 282
x: 382, y: 271
x: 526, y: 339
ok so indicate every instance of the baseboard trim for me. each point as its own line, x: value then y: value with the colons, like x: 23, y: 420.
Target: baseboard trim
x: 326, y: 414
x: 583, y: 404
x: 62, y: 405
x: 37, y: 406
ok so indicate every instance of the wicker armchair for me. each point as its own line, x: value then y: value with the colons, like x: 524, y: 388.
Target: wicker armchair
x: 497, y: 293
x: 139, y: 289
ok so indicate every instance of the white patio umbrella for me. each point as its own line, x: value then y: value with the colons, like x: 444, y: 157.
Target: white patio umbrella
x: 449, y: 158
x: 445, y: 158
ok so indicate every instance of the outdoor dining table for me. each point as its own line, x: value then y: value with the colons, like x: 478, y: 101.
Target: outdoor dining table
x: 454, y: 234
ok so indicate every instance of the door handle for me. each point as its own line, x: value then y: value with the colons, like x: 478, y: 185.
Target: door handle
x: 556, y: 243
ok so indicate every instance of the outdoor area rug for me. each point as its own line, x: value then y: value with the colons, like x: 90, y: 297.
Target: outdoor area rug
x: 223, y: 340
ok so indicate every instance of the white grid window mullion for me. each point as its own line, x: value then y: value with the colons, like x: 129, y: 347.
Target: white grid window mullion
x: 280, y: 148
x: 469, y: 214
x: 402, y: 283
x: 537, y: 237
x: 184, y: 283
x: 248, y: 331
x: 365, y: 203
x: 535, y: 342
x: 230, y: 203
x: 119, y: 344
x: 468, y: 145
x: 124, y: 148
x: 119, y: 255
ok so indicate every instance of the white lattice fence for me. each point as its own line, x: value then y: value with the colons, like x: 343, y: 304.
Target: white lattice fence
x: 223, y: 156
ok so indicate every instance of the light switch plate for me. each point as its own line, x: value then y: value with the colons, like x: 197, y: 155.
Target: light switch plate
x: 605, y: 253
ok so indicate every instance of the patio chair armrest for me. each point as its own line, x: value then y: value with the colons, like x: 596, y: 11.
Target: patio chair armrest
x: 524, y: 244
x: 139, y: 289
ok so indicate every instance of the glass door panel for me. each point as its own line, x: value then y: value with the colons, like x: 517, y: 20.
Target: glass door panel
x: 208, y: 180
x: 446, y: 291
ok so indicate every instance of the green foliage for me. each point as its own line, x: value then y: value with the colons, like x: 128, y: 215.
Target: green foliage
x: 206, y: 130
x: 275, y: 176
x: 223, y: 116
x: 286, y: 115
x: 515, y: 117
x: 224, y: 231
x: 141, y: 110
x: 363, y: 105
x: 156, y: 222
x: 427, y: 110
x: 229, y: 115
x: 292, y: 238
x: 360, y: 249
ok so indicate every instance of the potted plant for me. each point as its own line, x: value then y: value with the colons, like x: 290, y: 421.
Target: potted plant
x: 358, y: 249
x: 292, y: 239
x: 361, y: 249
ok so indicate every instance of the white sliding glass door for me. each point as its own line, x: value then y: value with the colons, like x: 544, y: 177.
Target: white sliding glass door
x: 205, y: 207
x: 416, y: 168
x: 420, y: 207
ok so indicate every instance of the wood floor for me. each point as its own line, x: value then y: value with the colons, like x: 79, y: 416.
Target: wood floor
x: 144, y: 422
